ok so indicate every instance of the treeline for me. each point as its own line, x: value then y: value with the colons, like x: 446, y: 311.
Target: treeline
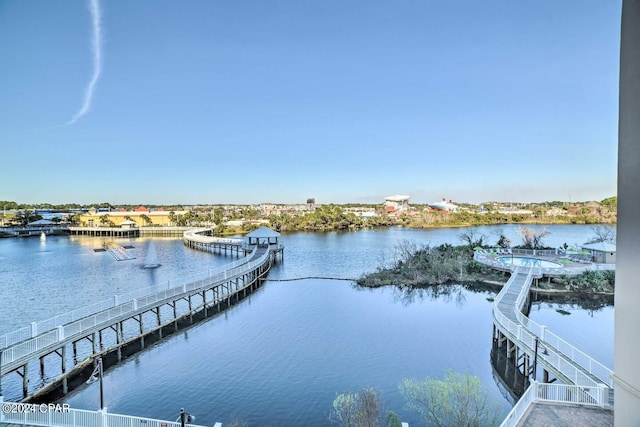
x: 434, y: 219
x: 327, y: 218
x: 12, y: 205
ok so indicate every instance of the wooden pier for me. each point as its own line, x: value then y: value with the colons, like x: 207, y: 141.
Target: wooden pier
x: 151, y: 316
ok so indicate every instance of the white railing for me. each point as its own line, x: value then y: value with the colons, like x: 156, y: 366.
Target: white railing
x: 62, y: 415
x: 194, y: 236
x: 553, y: 343
x: 42, y: 326
x: 520, y: 407
x: 556, y: 343
x: 130, y: 306
x: 486, y: 259
x: 525, y: 337
x: 554, y: 393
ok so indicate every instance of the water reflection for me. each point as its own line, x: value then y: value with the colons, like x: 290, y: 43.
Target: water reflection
x: 591, y: 304
x: 510, y: 381
x: 279, y: 357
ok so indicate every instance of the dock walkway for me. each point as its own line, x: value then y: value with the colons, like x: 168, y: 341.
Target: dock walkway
x: 212, y: 291
x: 530, y: 344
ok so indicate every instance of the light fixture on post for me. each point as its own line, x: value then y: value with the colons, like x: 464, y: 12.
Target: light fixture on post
x: 185, y: 418
x: 97, y: 375
x: 538, y: 346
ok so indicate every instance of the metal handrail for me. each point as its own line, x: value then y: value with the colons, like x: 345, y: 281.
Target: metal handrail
x: 120, y: 308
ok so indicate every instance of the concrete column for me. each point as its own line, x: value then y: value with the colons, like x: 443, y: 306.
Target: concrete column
x: 627, y: 295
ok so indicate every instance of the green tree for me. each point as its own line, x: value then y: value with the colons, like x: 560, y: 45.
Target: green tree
x: 218, y: 215
x: 146, y: 219
x: 105, y: 219
x: 393, y: 420
x: 172, y: 218
x: 74, y: 219
x: 459, y: 400
x: 362, y: 409
x: 610, y: 203
x: 24, y: 217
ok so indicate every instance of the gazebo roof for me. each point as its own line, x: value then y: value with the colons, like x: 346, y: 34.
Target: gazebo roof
x: 600, y: 246
x: 263, y: 232
x: 128, y: 223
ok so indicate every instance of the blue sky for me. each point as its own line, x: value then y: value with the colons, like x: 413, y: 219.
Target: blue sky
x: 278, y: 101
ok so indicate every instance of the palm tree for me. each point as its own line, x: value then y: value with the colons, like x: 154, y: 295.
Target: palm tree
x: 146, y: 219
x: 26, y: 216
x: 74, y: 219
x: 104, y: 219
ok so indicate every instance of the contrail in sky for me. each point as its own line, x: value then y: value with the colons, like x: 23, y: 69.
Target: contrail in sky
x: 96, y: 42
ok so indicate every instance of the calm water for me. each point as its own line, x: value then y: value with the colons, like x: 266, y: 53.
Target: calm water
x: 280, y: 357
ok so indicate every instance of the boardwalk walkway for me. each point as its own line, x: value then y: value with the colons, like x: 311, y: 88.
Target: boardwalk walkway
x: 213, y: 291
x: 524, y: 336
x: 529, y: 344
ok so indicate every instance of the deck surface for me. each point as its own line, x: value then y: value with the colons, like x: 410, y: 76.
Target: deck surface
x: 565, y: 415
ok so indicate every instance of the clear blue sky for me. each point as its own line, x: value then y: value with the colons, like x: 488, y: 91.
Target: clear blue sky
x: 278, y: 101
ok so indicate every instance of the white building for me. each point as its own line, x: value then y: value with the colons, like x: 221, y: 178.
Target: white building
x: 396, y: 203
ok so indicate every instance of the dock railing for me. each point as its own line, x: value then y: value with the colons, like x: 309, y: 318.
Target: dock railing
x: 37, y: 328
x: 52, y: 415
x: 116, y: 308
x: 565, y: 358
x: 552, y: 393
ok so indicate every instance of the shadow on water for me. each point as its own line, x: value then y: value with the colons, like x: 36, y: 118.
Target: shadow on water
x: 510, y: 381
x: 449, y: 293
x: 587, y: 302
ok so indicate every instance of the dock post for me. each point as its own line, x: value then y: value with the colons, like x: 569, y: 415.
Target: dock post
x: 175, y: 316
x: 159, y: 322
x: 94, y: 343
x: 204, y: 302
x: 0, y: 382
x: 63, y: 356
x: 25, y: 380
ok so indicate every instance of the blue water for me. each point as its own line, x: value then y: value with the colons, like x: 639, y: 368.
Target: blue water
x: 528, y: 262
x: 280, y: 357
